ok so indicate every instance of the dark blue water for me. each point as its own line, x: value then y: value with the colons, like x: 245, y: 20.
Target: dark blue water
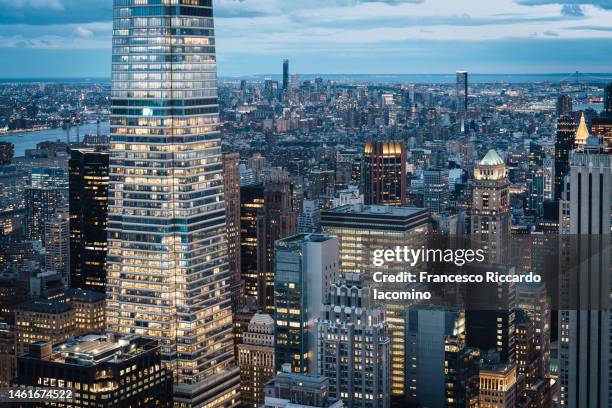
x: 28, y: 140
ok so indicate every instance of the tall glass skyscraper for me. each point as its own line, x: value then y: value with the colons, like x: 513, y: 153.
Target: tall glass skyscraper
x: 168, y: 275
x: 462, y: 91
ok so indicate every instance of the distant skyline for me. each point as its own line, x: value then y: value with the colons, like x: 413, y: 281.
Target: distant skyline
x: 72, y: 38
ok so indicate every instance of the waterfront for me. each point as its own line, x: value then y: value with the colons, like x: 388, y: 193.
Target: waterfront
x: 29, y: 140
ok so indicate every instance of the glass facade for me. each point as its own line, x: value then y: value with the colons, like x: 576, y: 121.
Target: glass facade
x: 168, y: 276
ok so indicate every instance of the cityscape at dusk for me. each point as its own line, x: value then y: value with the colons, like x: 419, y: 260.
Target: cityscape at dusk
x: 306, y: 204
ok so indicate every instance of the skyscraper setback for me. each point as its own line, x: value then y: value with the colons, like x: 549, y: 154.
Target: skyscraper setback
x: 168, y: 275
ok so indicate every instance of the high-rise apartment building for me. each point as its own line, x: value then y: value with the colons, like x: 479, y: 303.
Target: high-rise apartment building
x: 231, y: 182
x: 534, y: 302
x: 528, y: 358
x: 167, y: 265
x: 462, y: 91
x: 436, y: 190
x: 256, y: 359
x: 548, y: 177
x: 360, y: 230
x: 44, y: 177
x: 57, y: 245
x: 88, y: 202
x: 353, y: 348
x: 41, y: 205
x: 305, y: 265
x: 384, y: 173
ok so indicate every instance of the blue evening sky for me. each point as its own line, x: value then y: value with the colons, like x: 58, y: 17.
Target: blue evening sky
x: 72, y: 38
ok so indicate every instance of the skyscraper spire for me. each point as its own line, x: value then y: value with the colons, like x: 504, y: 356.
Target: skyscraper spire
x: 582, y: 134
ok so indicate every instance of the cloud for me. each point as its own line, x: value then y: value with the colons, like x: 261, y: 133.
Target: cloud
x: 44, y: 12
x: 32, y: 4
x: 604, y: 4
x: 83, y: 32
x: 66, y: 36
x: 572, y: 10
x: 591, y: 28
x: 262, y: 8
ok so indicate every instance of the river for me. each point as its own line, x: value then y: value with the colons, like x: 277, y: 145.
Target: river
x: 29, y: 140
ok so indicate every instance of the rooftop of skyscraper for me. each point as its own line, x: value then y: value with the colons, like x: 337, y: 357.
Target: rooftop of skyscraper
x: 376, y: 210
x: 91, y: 349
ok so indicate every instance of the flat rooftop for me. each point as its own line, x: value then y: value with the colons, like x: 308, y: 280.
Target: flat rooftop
x: 93, y: 349
x: 376, y: 210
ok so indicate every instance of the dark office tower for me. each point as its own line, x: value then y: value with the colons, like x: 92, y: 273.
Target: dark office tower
x: 564, y: 144
x: 88, y: 199
x: 102, y: 372
x: 285, y: 74
x: 602, y: 127
x: 384, y: 173
x: 276, y: 220
x: 495, y: 330
x: 251, y: 202
x: 608, y: 100
x: 7, y: 150
x: 231, y: 181
x: 564, y: 105
x: 41, y: 204
x: 528, y: 358
x: 167, y: 269
x: 461, y: 373
x: 462, y: 91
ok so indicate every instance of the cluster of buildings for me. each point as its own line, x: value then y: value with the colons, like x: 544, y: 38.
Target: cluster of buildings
x: 217, y: 251
x: 33, y: 106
